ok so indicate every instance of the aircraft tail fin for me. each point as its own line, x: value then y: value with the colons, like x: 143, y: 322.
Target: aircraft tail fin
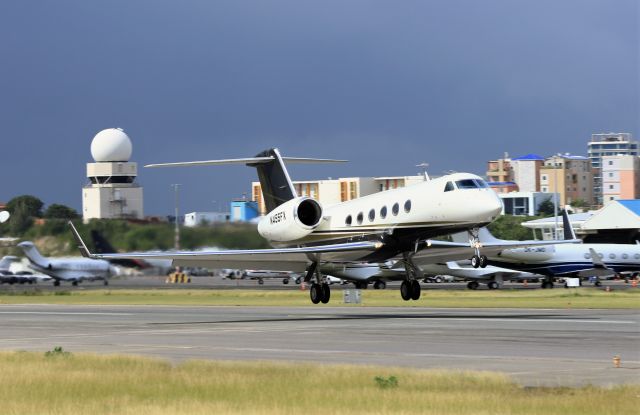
x: 566, y: 226
x: 32, y: 253
x: 276, y: 184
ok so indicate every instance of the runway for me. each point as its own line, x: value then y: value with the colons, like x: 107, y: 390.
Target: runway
x: 536, y: 347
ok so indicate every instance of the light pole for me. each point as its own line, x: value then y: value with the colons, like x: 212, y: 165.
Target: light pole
x: 176, y: 212
x: 555, y: 196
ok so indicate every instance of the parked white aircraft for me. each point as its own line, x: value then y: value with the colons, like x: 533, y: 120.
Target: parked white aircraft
x: 369, y: 229
x: 73, y: 270
x: 566, y: 260
x: 378, y: 274
x: 19, y: 277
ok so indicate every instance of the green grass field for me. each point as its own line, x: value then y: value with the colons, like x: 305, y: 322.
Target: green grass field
x: 556, y: 298
x: 88, y: 384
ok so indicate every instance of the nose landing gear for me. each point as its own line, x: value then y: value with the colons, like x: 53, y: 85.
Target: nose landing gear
x: 477, y: 260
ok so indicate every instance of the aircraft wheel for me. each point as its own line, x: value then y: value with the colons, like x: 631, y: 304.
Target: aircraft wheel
x: 285, y: 281
x: 597, y: 283
x: 260, y: 281
x: 543, y: 285
x: 438, y: 280
x: 405, y: 290
x: 472, y: 285
x: 56, y: 283
x: 326, y: 293
x: 379, y: 285
x: 75, y: 283
x: 493, y: 285
x: 415, y: 290
x: 315, y: 292
x: 298, y: 280
x: 475, y: 261
x: 106, y: 282
x: 550, y: 284
x: 483, y: 261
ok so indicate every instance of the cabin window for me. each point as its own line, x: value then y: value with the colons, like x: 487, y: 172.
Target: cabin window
x: 395, y: 209
x: 372, y: 215
x: 612, y: 256
x: 449, y: 187
x: 360, y: 218
x: 348, y: 220
x: 383, y: 212
x: 587, y: 256
x: 407, y: 206
x: 625, y: 256
x: 466, y: 184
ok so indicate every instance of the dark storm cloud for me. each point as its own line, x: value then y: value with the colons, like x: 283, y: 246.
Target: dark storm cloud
x: 384, y: 84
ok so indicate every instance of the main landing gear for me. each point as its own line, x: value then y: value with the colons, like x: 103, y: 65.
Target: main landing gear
x: 547, y: 283
x: 410, y: 287
x: 320, y: 292
x: 477, y: 260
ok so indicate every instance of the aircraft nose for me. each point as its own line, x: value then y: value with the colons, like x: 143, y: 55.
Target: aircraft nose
x: 494, y: 206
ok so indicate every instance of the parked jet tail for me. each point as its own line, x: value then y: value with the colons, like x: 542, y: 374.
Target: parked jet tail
x: 276, y: 184
x: 102, y: 246
x: 32, y: 253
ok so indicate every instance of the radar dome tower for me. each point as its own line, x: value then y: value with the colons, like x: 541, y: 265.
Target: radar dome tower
x: 112, y: 191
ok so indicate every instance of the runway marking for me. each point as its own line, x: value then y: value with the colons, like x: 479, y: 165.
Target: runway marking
x: 68, y: 313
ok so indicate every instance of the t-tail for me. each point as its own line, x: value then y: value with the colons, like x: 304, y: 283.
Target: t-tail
x: 32, y: 253
x: 274, y: 178
x: 566, y: 226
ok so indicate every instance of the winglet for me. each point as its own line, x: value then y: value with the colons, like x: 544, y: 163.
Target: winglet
x: 595, y: 258
x: 569, y: 234
x: 81, y: 245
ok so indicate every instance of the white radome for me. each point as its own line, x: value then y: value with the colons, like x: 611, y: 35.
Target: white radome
x: 111, y: 144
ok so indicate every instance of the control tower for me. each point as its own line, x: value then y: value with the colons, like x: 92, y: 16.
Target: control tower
x: 112, y: 191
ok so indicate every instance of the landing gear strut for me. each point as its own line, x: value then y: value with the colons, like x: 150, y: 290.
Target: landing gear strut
x: 477, y: 260
x: 473, y: 285
x: 547, y: 283
x: 410, y: 288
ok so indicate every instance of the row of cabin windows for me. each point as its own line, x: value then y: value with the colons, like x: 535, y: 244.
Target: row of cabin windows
x: 613, y: 256
x: 395, y: 209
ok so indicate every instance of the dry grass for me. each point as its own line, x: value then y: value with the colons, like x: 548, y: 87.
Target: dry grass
x: 556, y: 298
x: 89, y: 384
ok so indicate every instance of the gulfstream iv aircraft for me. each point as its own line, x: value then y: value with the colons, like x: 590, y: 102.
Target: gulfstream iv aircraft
x: 370, y: 229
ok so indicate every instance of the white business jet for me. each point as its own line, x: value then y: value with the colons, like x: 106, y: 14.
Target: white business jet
x: 73, y: 270
x: 371, y: 229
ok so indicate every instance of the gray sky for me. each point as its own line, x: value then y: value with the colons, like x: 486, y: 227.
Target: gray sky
x: 385, y: 84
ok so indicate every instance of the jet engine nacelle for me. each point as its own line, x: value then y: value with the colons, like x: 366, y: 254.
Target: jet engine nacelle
x: 292, y: 220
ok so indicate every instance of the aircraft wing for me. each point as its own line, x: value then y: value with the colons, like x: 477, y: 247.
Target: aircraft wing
x: 444, y: 251
x: 284, y: 259
x: 599, y: 269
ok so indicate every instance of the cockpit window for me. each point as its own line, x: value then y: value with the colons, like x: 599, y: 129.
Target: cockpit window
x: 467, y: 184
x: 449, y: 187
x: 481, y: 183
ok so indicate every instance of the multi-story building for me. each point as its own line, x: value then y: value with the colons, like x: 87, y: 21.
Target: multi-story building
x: 569, y: 176
x: 620, y: 177
x: 333, y: 191
x: 526, y: 172
x: 608, y: 144
x: 500, y: 170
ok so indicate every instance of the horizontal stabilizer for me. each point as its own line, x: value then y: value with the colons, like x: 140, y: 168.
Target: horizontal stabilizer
x: 247, y: 161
